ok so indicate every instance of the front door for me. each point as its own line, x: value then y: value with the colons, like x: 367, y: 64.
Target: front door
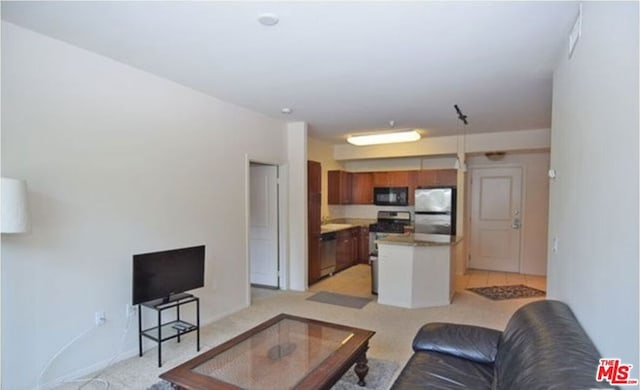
x: 496, y: 218
x: 263, y: 224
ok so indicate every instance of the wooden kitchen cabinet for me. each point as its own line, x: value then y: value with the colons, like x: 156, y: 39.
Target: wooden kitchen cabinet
x: 447, y: 177
x: 425, y: 178
x: 436, y: 177
x: 314, y: 172
x: 362, y: 188
x: 339, y: 183
x: 347, y: 248
x: 363, y: 245
x: 391, y: 179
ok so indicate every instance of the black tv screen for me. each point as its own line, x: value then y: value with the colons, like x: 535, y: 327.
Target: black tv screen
x: 161, y: 274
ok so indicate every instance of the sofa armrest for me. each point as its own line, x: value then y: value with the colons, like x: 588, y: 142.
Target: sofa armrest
x: 465, y: 341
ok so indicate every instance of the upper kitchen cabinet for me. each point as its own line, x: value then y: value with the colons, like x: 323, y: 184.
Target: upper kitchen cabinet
x: 436, y: 177
x: 446, y: 177
x: 362, y: 188
x: 425, y: 178
x: 357, y: 187
x: 339, y: 183
x: 391, y: 179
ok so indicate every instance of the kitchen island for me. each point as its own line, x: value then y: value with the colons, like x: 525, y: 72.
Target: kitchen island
x: 416, y: 270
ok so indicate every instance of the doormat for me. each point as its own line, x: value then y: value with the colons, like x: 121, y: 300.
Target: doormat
x: 498, y: 293
x: 340, y: 299
x: 379, y: 377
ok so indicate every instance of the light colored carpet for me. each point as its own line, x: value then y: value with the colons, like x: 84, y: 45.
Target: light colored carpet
x: 379, y: 377
x: 394, y: 327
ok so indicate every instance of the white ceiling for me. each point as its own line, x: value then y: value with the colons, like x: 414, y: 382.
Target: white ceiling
x: 343, y: 67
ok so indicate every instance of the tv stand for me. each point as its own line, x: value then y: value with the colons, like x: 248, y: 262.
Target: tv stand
x: 172, y: 329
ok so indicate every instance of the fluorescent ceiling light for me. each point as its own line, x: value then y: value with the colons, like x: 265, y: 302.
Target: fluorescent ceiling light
x: 384, y: 138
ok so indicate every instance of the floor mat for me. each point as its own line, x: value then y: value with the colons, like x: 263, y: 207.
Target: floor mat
x: 498, y: 293
x: 339, y: 299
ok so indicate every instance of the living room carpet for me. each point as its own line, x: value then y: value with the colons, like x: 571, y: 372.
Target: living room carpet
x: 498, y: 293
x: 340, y: 299
x: 379, y: 377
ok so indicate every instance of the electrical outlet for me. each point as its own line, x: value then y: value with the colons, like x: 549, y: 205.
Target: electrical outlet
x: 130, y: 310
x: 101, y: 317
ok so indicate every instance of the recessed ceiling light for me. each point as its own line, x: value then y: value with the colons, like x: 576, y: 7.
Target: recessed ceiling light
x: 286, y: 110
x: 385, y: 138
x: 268, y: 19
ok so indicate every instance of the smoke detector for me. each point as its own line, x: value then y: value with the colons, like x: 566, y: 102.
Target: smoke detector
x: 268, y: 19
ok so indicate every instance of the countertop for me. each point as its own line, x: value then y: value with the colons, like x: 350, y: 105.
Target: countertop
x: 338, y: 224
x: 420, y: 239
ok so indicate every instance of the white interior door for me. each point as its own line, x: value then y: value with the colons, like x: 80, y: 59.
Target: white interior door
x: 263, y: 224
x: 496, y: 197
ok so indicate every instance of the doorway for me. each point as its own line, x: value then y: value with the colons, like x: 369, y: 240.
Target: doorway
x: 263, y: 225
x: 496, y: 218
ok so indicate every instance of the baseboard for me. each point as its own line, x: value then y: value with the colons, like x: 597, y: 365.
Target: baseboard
x: 86, y: 371
x: 92, y: 369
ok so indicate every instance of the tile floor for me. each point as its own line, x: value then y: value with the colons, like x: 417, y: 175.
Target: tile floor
x: 357, y: 281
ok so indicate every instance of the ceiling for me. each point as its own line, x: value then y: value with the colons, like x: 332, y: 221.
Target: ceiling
x: 342, y: 67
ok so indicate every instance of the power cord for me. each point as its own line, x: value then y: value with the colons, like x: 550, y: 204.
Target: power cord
x: 94, y: 378
x: 60, y: 351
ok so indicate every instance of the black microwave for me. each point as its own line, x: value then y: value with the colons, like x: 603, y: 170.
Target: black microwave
x: 391, y: 196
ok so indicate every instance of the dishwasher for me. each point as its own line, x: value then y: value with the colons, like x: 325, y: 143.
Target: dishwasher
x: 327, y: 253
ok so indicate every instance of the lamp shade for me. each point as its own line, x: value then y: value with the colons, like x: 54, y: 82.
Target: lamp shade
x: 14, y: 213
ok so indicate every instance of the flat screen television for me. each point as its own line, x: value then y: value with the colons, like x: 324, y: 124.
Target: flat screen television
x: 159, y: 275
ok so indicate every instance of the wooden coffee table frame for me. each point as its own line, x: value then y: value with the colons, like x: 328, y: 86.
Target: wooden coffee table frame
x: 354, y: 351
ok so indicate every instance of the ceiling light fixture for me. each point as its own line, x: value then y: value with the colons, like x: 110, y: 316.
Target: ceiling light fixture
x: 384, y: 138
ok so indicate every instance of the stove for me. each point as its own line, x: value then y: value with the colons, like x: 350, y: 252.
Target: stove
x: 388, y: 223
x: 391, y: 222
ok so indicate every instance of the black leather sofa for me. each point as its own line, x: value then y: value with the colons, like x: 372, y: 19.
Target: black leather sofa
x: 542, y: 347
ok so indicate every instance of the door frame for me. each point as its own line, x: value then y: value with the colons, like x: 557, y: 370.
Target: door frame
x: 468, y: 202
x: 281, y: 199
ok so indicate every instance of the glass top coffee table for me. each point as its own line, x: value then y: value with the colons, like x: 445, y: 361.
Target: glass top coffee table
x: 285, y: 352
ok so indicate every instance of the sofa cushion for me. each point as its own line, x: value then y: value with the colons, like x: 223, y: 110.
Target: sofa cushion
x: 434, y: 370
x: 544, y: 347
x: 466, y: 341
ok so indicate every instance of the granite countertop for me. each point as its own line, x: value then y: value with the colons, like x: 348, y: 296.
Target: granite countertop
x: 420, y: 239
x: 364, y: 222
x: 338, y: 224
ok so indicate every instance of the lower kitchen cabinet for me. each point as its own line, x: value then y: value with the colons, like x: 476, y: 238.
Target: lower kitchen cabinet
x: 363, y: 245
x: 346, y: 248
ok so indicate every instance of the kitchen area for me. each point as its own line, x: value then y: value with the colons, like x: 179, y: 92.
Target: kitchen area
x: 402, y: 234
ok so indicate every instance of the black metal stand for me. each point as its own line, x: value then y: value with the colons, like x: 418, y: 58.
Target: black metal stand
x: 172, y: 329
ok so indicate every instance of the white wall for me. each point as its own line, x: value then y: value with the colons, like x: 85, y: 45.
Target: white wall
x: 593, y: 208
x: 298, y: 249
x: 535, y: 206
x: 117, y: 162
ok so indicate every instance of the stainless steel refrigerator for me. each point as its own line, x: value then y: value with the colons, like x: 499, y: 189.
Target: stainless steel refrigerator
x: 435, y: 210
